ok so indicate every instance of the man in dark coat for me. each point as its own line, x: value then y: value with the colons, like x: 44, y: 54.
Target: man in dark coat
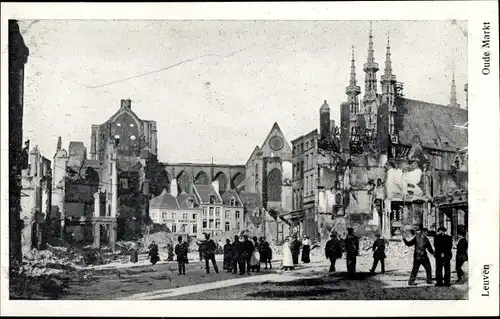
x: 153, y: 253
x: 228, y: 256
x: 181, y: 251
x: 462, y: 256
x: 333, y: 250
x: 422, y: 244
x: 378, y: 253
x: 237, y: 252
x: 295, y: 249
x: 443, y: 244
x: 209, y: 251
x: 246, y: 255
x: 266, y: 253
x: 352, y: 248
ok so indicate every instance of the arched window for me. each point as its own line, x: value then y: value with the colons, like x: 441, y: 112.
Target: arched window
x: 201, y: 179
x: 232, y: 202
x: 213, y: 199
x: 274, y: 185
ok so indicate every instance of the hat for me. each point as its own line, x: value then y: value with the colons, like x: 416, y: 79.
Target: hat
x: 441, y: 229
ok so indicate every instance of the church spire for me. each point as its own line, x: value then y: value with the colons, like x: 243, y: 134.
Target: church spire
x: 370, y: 68
x: 388, y: 62
x: 353, y: 90
x: 453, y: 95
x: 388, y: 80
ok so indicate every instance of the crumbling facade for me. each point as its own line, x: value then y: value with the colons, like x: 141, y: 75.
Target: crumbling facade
x: 394, y: 163
x: 36, y: 202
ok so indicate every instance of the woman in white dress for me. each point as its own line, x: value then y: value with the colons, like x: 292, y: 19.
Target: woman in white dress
x: 287, y: 255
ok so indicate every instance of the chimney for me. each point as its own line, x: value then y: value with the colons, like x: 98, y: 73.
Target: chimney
x: 215, y: 184
x: 34, y: 161
x: 173, y: 188
x: 59, y: 142
x: 126, y: 104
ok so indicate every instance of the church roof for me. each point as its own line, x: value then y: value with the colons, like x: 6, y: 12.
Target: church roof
x: 164, y: 201
x: 204, y: 192
x: 433, y: 123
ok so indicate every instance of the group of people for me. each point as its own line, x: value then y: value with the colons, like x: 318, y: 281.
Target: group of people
x: 291, y: 252
x: 246, y: 255
x: 442, y: 253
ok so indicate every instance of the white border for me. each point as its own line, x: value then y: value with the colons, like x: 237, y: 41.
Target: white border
x: 483, y: 147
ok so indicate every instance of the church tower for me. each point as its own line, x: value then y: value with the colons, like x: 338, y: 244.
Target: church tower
x: 324, y: 121
x: 370, y: 101
x: 352, y: 91
x: 388, y: 81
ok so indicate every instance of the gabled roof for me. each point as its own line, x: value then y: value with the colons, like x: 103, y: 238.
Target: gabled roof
x: 255, y: 151
x: 434, y: 124
x: 203, y: 193
x: 226, y: 198
x: 164, y: 201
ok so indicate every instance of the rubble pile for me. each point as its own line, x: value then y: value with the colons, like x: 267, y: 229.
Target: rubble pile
x: 162, y: 239
x: 45, y: 263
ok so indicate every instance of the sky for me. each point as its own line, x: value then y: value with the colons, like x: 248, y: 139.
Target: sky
x: 215, y: 88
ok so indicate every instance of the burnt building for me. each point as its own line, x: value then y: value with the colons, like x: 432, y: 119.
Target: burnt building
x: 394, y: 163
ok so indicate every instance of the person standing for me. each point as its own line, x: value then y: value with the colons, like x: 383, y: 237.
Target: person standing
x: 153, y: 253
x: 246, y: 256
x: 237, y: 252
x: 287, y: 255
x: 209, y: 251
x: 378, y: 253
x: 255, y: 259
x: 306, y: 250
x: 333, y: 250
x: 134, y: 253
x: 295, y: 249
x: 266, y: 253
x: 181, y: 250
x: 352, y: 248
x: 228, y: 256
x: 422, y: 244
x: 443, y: 244
x: 462, y: 255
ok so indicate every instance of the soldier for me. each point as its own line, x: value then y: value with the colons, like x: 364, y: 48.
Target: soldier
x: 333, y: 250
x: 443, y: 244
x: 378, y: 253
x: 461, y: 256
x: 352, y: 249
x: 422, y: 244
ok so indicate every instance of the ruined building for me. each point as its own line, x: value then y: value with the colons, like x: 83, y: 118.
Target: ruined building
x: 394, y: 164
x: 36, y: 202
x: 84, y: 195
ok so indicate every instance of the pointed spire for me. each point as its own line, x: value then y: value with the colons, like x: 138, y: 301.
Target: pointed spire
x: 371, y: 58
x: 352, y: 90
x: 388, y: 62
x: 370, y: 68
x: 352, y: 81
x: 453, y: 96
